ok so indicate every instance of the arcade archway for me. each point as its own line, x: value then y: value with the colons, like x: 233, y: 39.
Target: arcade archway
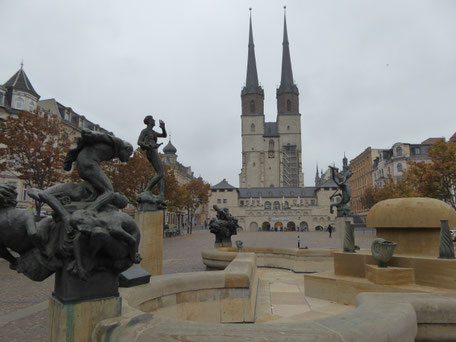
x: 291, y: 226
x: 278, y: 226
x: 303, y: 226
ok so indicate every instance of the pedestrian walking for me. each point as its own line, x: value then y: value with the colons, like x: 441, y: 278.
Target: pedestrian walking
x: 330, y: 230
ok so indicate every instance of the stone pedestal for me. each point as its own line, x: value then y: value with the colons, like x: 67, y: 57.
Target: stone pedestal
x: 340, y: 230
x: 74, y: 322
x: 151, y: 245
x: 390, y: 275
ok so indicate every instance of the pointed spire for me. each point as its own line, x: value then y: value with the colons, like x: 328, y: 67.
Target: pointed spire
x: 317, y: 178
x: 251, y: 83
x: 20, y: 81
x: 286, y: 83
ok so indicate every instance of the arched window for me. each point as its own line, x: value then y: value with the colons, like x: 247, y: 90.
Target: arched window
x: 252, y: 128
x: 252, y: 106
x: 399, y: 151
x: 267, y: 205
x: 288, y: 106
x: 286, y: 205
x: 276, y: 205
x: 399, y: 167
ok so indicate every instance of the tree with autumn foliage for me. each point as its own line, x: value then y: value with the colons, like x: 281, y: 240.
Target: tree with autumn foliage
x: 436, y: 179
x: 197, y: 194
x: 132, y: 178
x: 33, y: 147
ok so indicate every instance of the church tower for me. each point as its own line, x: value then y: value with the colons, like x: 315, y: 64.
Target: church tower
x: 271, y: 151
x: 252, y: 121
x: 289, y: 120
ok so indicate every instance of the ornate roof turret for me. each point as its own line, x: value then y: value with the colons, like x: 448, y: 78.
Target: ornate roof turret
x: 286, y: 84
x: 169, y: 148
x: 20, y: 81
x: 251, y: 83
x: 345, y: 164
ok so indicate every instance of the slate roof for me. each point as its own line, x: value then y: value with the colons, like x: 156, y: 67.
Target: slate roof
x: 271, y: 129
x: 286, y: 83
x: 251, y: 83
x: 169, y: 148
x: 273, y: 192
x: 329, y: 184
x: 222, y: 185
x: 20, y: 81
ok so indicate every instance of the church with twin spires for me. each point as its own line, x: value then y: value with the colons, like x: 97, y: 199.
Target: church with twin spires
x: 271, y: 151
x: 271, y: 193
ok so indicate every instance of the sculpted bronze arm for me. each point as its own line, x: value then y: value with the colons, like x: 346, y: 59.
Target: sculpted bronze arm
x: 163, y: 133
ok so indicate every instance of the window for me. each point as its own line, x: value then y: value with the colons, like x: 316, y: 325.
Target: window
x: 252, y: 128
x: 31, y: 106
x: 288, y: 128
x: 312, y: 202
x: 288, y: 106
x: 271, y: 149
x: 1, y: 99
x: 24, y: 194
x: 242, y: 203
x: 252, y: 106
x: 19, y: 103
x: 417, y: 151
x: 219, y: 201
x: 399, y: 167
x: 399, y: 151
x: 267, y: 205
x: 276, y: 205
x: 286, y: 205
x: 224, y: 200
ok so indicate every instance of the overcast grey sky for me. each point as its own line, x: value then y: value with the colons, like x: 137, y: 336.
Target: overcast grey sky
x: 370, y: 73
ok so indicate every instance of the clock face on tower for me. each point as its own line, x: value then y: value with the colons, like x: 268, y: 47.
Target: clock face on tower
x: 271, y: 154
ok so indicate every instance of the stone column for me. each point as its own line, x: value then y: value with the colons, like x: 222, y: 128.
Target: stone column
x: 151, y: 245
x: 75, y: 321
x: 340, y: 230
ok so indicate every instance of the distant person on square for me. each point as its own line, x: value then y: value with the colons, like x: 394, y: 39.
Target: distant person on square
x: 330, y: 230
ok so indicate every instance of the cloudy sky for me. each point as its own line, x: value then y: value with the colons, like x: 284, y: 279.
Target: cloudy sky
x: 370, y: 73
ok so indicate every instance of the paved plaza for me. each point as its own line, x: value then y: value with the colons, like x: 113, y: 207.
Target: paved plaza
x: 23, y: 303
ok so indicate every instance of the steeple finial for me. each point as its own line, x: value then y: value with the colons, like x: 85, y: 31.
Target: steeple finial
x: 287, y: 83
x: 22, y: 64
x: 251, y: 83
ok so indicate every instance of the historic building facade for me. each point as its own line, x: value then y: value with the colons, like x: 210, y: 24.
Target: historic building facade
x: 18, y: 95
x: 361, y: 166
x: 271, y: 193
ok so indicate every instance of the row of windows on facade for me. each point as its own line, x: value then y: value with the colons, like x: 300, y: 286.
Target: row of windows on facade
x: 271, y: 142
x: 415, y: 151
x: 276, y: 204
x: 380, y: 173
x: 253, y: 106
x: 19, y: 102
